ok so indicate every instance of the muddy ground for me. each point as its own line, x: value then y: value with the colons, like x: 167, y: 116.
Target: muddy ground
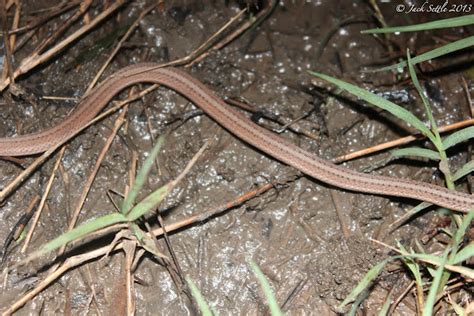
x: 311, y: 256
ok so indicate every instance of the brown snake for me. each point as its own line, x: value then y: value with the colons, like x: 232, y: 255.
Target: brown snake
x: 239, y: 125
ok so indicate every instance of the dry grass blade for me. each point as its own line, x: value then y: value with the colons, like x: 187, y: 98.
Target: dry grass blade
x: 118, y: 46
x: 34, y: 60
x: 25, y: 173
x: 43, y: 201
x: 92, y: 175
x: 80, y: 259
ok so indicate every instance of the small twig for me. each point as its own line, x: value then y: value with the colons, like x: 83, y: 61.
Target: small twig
x: 8, y: 62
x: 450, y: 267
x: 35, y: 60
x: 249, y: 23
x: 83, y: 7
x: 43, y: 201
x: 25, y: 173
x: 118, y: 46
x: 85, y: 191
x: 395, y: 303
x: 398, y: 142
x: 45, y: 18
x: 16, y: 22
x: 19, y: 227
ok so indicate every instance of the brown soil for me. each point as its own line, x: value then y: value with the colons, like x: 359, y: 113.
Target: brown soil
x: 293, y: 231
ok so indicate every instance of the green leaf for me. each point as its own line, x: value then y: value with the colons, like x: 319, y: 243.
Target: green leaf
x: 463, y: 254
x: 360, y: 298
x: 203, y: 307
x: 149, y: 203
x: 411, y: 264
x: 457, y: 308
x: 386, y: 305
x: 458, y: 137
x: 437, y: 52
x: 81, y: 231
x: 380, y: 102
x: 460, y: 232
x: 141, y: 177
x: 371, y: 275
x: 415, y: 152
x: 438, y: 24
x: 435, y: 283
x: 425, y: 101
x: 267, y: 290
x: 466, y: 169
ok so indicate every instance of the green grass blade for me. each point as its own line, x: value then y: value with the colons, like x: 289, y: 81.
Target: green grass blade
x: 458, y: 137
x: 149, y: 203
x: 435, y: 260
x: 437, y: 52
x: 364, y: 283
x: 267, y: 290
x: 141, y: 177
x: 146, y: 241
x: 415, y: 152
x: 412, y: 212
x: 466, y: 169
x: 457, y: 308
x: 203, y: 307
x: 434, y: 288
x: 80, y: 231
x: 379, y: 102
x: 411, y: 264
x: 386, y: 305
x: 439, y: 24
x: 461, y: 231
x: 463, y: 254
x: 424, y: 99
x: 360, y: 298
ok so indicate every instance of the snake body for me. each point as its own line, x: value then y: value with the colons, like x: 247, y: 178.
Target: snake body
x: 239, y: 125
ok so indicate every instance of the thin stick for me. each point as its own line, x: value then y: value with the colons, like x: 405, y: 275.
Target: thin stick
x: 25, y: 173
x: 118, y: 46
x: 43, y: 201
x: 92, y: 175
x: 35, y: 60
x: 400, y: 141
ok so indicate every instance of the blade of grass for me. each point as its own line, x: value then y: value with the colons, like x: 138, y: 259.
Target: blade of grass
x: 415, y: 152
x: 458, y: 137
x: 386, y: 305
x: 438, y: 24
x: 412, y: 212
x: 415, y: 270
x: 149, y: 203
x: 437, y: 52
x: 203, y: 307
x: 360, y: 298
x: 424, y: 99
x: 466, y: 169
x: 365, y: 282
x: 461, y: 231
x: 379, y: 102
x: 79, y: 232
x: 141, y: 177
x: 437, y: 142
x: 434, y: 288
x: 267, y: 290
x: 463, y: 254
